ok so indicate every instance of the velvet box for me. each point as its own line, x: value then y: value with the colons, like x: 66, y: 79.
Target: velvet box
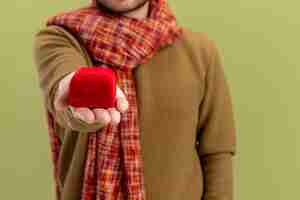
x: 93, y: 87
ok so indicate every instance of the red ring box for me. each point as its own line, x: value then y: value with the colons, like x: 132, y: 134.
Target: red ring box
x: 93, y: 87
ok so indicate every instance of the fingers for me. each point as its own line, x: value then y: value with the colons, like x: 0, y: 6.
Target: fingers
x: 115, y: 115
x: 84, y: 114
x: 122, y: 103
x: 102, y: 115
x: 107, y: 115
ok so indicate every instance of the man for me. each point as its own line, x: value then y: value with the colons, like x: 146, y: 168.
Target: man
x: 185, y: 113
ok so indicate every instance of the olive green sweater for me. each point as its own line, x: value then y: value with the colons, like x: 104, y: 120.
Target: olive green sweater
x: 186, y: 119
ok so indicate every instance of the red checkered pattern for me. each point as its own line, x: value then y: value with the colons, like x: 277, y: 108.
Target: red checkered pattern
x: 114, y: 165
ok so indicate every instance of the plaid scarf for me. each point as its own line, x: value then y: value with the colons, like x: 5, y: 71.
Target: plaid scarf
x: 114, y: 166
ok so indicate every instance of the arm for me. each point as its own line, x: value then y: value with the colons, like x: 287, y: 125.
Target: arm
x: 216, y: 132
x: 57, y: 54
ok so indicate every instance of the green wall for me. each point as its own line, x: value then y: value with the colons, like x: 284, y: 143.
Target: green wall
x: 260, y: 44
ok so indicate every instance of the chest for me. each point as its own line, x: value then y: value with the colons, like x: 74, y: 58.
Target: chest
x: 169, y: 85
x: 169, y: 91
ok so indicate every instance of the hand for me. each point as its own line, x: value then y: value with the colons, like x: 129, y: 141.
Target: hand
x: 88, y: 115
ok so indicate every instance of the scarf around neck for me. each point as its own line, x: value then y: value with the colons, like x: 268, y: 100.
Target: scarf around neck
x: 114, y: 165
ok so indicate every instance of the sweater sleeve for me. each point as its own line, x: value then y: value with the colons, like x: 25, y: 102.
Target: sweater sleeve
x: 216, y: 131
x: 56, y: 54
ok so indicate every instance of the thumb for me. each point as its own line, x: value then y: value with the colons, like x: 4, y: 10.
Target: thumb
x: 121, y: 100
